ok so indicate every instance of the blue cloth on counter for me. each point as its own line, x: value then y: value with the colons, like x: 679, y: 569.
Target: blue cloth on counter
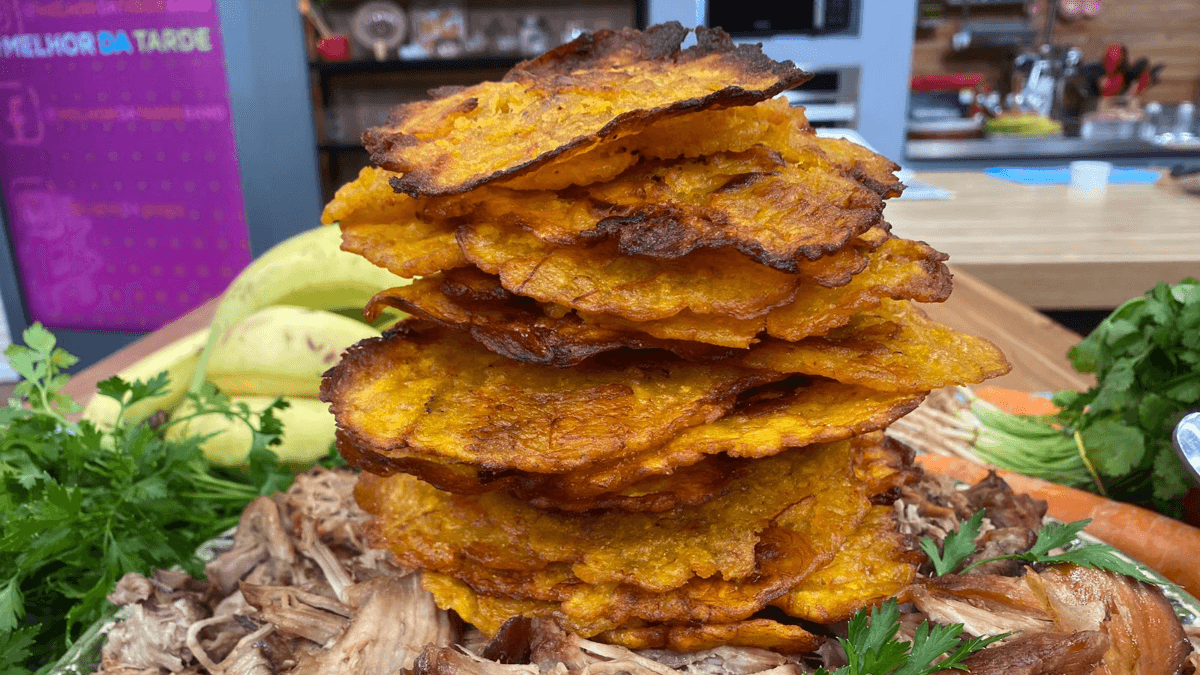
x: 1061, y: 175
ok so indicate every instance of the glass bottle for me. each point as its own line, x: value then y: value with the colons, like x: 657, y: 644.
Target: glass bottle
x: 533, y: 36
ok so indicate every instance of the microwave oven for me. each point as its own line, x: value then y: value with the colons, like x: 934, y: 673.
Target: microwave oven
x: 755, y: 18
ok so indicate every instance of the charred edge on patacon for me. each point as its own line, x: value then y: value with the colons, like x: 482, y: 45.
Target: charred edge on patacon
x: 659, y: 233
x: 660, y: 42
x: 513, y: 330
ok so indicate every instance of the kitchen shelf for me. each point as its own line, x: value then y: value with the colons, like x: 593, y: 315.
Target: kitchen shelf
x: 341, y: 147
x: 351, y: 96
x: 1047, y: 151
x: 401, y: 66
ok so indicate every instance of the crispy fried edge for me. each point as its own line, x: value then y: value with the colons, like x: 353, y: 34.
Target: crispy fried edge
x: 659, y: 43
x: 513, y: 326
x: 403, y: 454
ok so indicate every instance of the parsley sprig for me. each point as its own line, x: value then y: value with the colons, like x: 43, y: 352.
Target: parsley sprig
x: 80, y: 505
x: 872, y: 647
x: 960, y: 545
x: 40, y: 363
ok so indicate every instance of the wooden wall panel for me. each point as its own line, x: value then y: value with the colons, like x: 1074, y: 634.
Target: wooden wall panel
x: 1165, y: 31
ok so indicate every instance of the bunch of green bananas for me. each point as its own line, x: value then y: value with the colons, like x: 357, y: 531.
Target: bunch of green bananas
x: 274, y: 333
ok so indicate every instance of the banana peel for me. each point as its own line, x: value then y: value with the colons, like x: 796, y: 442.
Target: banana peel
x: 308, y: 270
x: 1023, y: 125
x: 179, y: 359
x: 282, y: 350
x: 308, y: 431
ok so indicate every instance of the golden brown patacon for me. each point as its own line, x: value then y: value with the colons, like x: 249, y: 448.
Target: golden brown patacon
x: 659, y: 326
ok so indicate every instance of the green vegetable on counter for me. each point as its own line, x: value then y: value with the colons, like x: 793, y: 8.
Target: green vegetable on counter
x: 960, y: 545
x: 1115, y: 438
x: 872, y: 648
x: 80, y: 506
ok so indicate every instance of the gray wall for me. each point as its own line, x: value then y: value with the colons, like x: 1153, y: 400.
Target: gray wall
x: 273, y: 119
x: 882, y: 49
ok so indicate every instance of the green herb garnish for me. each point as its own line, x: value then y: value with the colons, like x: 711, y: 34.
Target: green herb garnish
x: 956, y: 547
x: 872, y: 648
x: 1115, y: 438
x: 81, y: 506
x: 960, y: 545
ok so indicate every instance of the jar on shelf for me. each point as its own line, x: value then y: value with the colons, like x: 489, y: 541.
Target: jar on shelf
x: 533, y: 38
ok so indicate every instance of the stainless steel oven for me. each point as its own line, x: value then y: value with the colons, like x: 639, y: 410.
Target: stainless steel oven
x: 859, y: 50
x: 759, y: 18
x: 830, y: 98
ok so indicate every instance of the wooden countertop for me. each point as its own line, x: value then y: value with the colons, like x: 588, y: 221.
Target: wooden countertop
x: 1035, y: 345
x: 1051, y: 248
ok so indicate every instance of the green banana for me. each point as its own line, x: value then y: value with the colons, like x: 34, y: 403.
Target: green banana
x: 308, y: 270
x: 308, y: 431
x: 282, y: 350
x: 179, y: 359
x: 1023, y: 125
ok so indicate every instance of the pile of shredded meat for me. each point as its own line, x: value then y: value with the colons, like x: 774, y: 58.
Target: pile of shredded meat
x: 299, y: 592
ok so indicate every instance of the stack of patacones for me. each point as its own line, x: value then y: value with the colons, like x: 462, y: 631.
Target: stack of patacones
x: 658, y: 327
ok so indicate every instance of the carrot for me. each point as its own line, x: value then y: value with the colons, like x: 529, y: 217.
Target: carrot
x: 1168, y: 546
x: 1015, y: 402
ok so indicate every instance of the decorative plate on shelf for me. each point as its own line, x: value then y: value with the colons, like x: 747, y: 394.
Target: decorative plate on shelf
x: 379, y: 26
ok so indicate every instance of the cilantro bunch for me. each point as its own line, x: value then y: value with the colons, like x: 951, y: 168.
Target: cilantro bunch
x: 1115, y: 438
x: 80, y: 506
x: 1146, y: 356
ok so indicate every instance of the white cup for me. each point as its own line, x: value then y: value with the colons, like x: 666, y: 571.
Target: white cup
x: 1090, y: 177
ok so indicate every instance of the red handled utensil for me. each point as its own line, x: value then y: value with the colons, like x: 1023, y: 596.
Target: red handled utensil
x: 1149, y: 78
x: 1115, y: 62
x: 1134, y: 74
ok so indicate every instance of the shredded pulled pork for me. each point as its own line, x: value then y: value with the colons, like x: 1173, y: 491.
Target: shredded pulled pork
x: 300, y: 593
x: 153, y: 636
x: 1136, y: 631
x: 934, y: 506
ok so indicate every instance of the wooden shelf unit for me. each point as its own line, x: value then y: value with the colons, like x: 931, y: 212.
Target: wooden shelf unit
x: 350, y: 96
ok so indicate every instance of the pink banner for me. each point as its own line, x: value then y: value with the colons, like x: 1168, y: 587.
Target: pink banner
x: 119, y: 162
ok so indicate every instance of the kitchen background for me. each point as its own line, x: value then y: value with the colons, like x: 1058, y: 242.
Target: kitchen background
x: 1101, y: 77
x: 1166, y: 33
x: 973, y: 81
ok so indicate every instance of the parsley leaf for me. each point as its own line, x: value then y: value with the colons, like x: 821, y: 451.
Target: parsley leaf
x: 872, y: 647
x: 1170, y: 476
x: 1099, y: 557
x: 960, y: 545
x: 957, y: 547
x: 1056, y: 535
x: 932, y: 640
x: 15, y: 648
x: 1114, y: 448
x: 81, y: 506
x: 129, y: 393
x: 40, y: 363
